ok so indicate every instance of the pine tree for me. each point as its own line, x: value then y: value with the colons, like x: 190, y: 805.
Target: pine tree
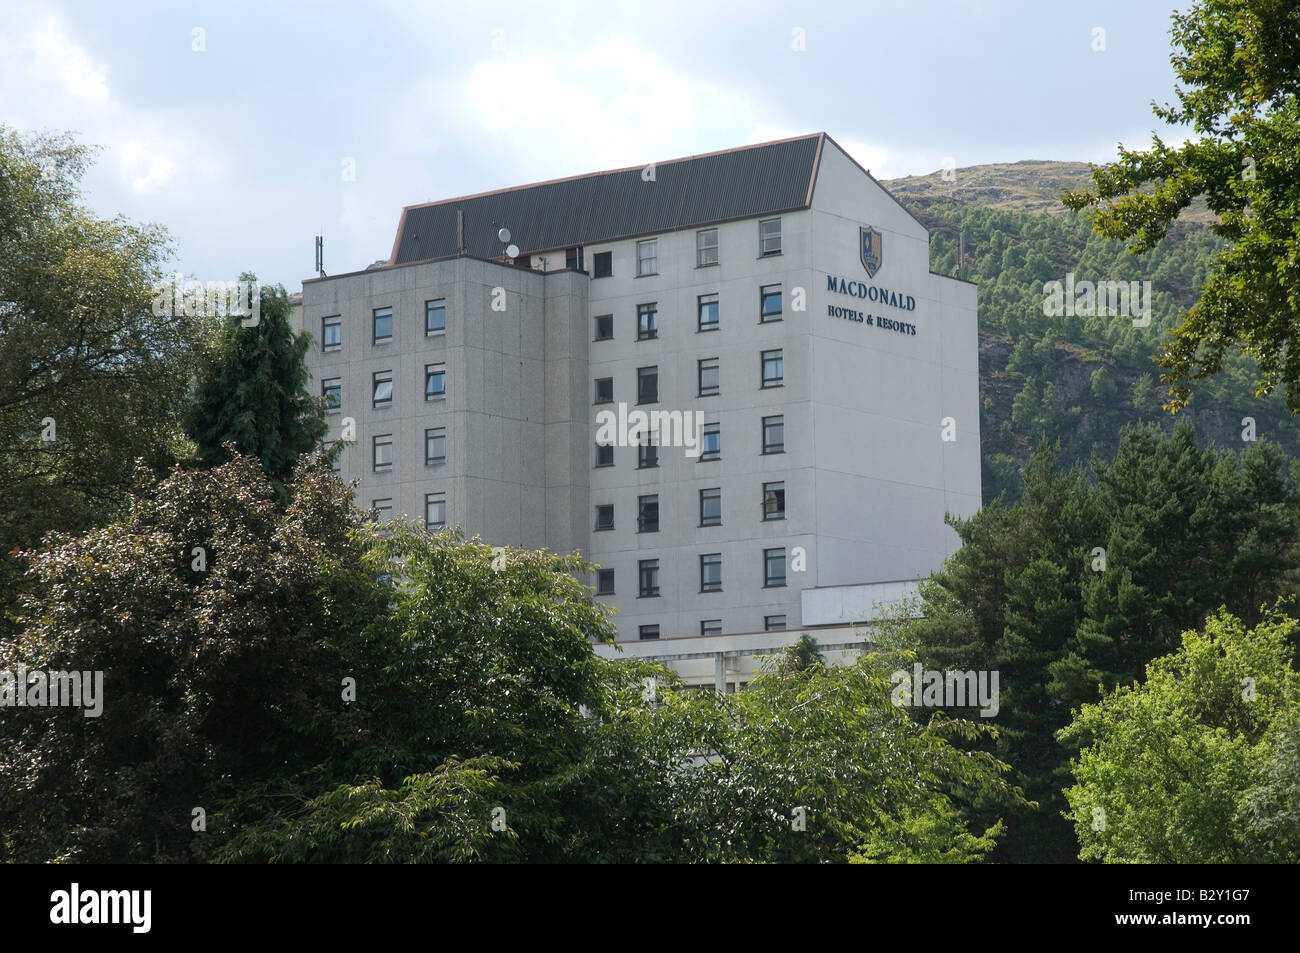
x: 252, y: 393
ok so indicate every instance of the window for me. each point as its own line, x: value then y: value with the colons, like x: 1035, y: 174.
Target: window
x: 773, y: 567
x: 385, y: 510
x: 711, y: 627
x: 774, y: 501
x: 774, y: 434
x: 773, y: 369
x: 647, y: 452
x: 647, y: 385
x: 604, y: 327
x: 773, y: 623
x: 336, y: 461
x: 604, y: 264
x: 647, y: 257
x: 383, y: 319
x: 648, y: 573
x: 604, y: 390
x: 648, y: 631
x: 435, y: 381
x: 332, y: 390
x: 711, y: 507
x: 382, y: 452
x: 708, y: 311
x: 435, y: 316
x: 573, y: 258
x: 331, y: 333
x: 769, y: 237
x: 706, y: 247
x: 647, y: 514
x: 769, y: 299
x: 383, y: 388
x: 605, y: 516
x: 711, y: 572
x: 711, y: 448
x: 604, y: 455
x: 435, y: 511
x: 647, y: 321
x: 435, y: 446
x: 708, y: 372
x: 604, y: 582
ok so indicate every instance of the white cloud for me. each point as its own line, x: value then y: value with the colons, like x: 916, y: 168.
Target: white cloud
x: 612, y: 104
x: 49, y: 53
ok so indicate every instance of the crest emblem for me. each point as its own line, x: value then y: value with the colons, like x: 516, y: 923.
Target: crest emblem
x: 869, y: 241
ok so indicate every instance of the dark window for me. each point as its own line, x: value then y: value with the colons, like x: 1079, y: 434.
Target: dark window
x: 708, y: 312
x: 604, y: 455
x: 648, y: 631
x: 605, y: 516
x: 706, y: 247
x: 382, y: 452
x: 773, y: 368
x: 647, y: 321
x: 435, y: 446
x: 331, y: 333
x: 604, y: 390
x: 604, y: 582
x: 711, y: 572
x: 769, y: 237
x: 604, y: 327
x: 383, y: 318
x: 774, y: 501
x: 604, y: 264
x: 332, y: 390
x: 774, y: 434
x: 336, y: 463
x: 774, y: 567
x: 647, y: 453
x: 770, y: 303
x: 383, y: 388
x: 711, y: 447
x: 647, y: 385
x: 435, y: 316
x: 435, y: 511
x: 647, y: 514
x: 773, y: 623
x: 709, y: 376
x: 648, y: 572
x: 711, y: 507
x: 711, y: 627
x: 435, y: 381
x: 573, y: 258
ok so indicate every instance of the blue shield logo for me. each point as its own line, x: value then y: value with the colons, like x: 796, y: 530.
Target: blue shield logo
x: 870, y: 241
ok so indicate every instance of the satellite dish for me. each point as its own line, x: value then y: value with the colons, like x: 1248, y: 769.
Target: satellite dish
x: 504, y: 234
x: 512, y: 251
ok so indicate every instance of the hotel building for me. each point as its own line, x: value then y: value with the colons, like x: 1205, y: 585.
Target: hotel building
x: 777, y: 289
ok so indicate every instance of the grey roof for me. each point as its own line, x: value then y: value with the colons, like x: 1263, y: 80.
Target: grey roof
x: 701, y: 190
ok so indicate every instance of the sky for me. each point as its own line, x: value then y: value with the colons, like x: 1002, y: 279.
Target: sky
x: 246, y: 129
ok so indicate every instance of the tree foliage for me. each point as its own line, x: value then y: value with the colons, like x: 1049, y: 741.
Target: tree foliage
x: 1187, y: 766
x: 1238, y: 62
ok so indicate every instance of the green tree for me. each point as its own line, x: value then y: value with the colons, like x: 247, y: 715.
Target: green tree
x: 1080, y: 583
x: 89, y: 375
x: 252, y: 391
x: 1169, y: 768
x: 1238, y: 63
x: 219, y: 620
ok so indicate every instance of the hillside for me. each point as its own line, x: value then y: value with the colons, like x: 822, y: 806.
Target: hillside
x: 1076, y: 380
